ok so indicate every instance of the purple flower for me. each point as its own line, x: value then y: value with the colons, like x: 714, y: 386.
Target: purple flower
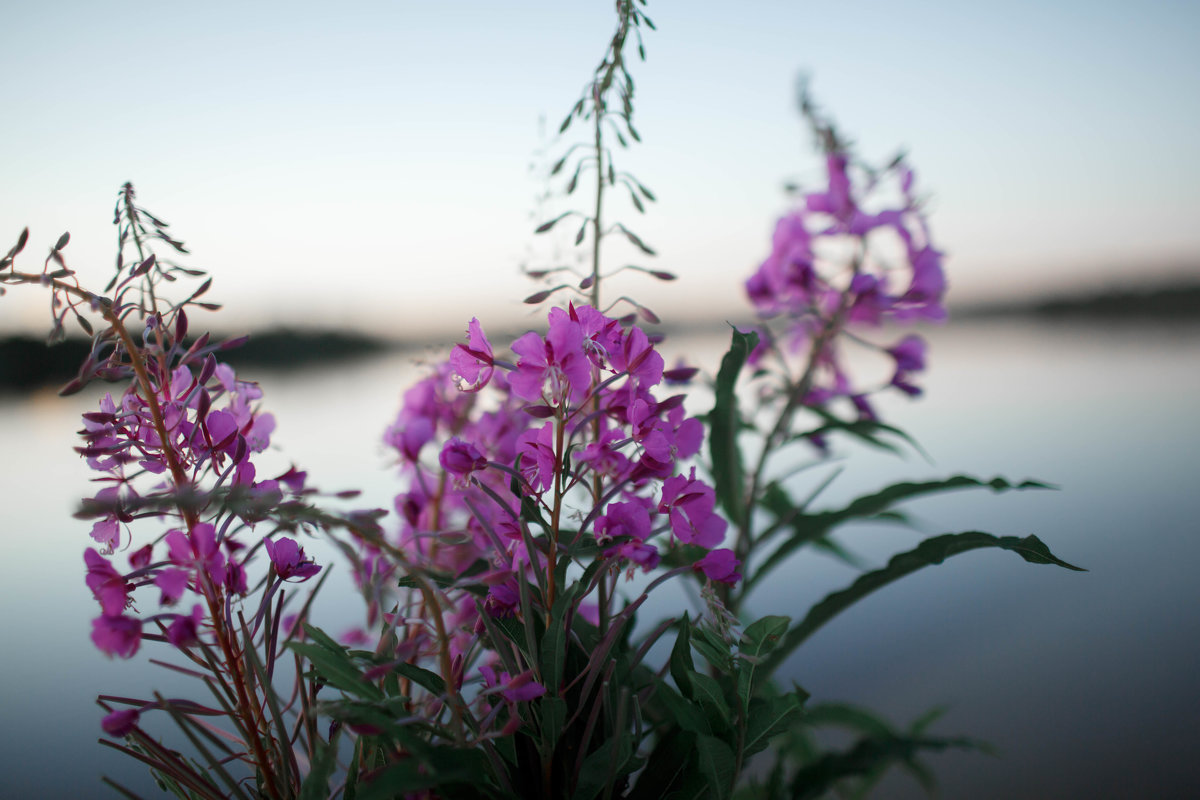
x: 629, y: 520
x: 108, y: 586
x: 909, y: 353
x: 198, y: 550
x: 720, y: 565
x: 289, y: 560
x: 514, y: 690
x: 117, y: 635
x: 461, y: 458
x: 637, y: 357
x: 690, y: 504
x: 120, y: 723
x: 172, y: 582
x: 185, y: 630
x: 536, y: 448
x: 472, y: 362
x: 558, y: 360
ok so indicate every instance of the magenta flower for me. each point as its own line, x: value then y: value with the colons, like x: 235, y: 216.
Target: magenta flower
x: 629, y: 520
x: 117, y: 635
x: 690, y: 503
x: 108, y: 586
x: 638, y: 357
x: 120, y: 723
x: 522, y: 688
x: 199, y: 550
x: 720, y: 565
x: 909, y: 353
x: 107, y: 533
x: 461, y: 458
x: 172, y: 582
x: 837, y: 200
x: 472, y: 363
x: 536, y: 448
x: 289, y: 560
x: 185, y: 630
x: 557, y: 360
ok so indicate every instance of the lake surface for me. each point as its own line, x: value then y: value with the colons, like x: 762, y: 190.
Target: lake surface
x: 1085, y: 682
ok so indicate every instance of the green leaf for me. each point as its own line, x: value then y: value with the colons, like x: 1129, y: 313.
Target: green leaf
x: 711, y: 698
x: 438, y: 767
x: 932, y: 551
x: 759, y: 639
x: 604, y: 766
x: 811, y: 528
x: 679, y: 710
x: 554, y: 643
x: 714, y: 649
x: 767, y: 719
x: 681, y: 658
x: 316, y: 784
x: 553, y: 712
x: 338, y: 670
x: 717, y: 765
x: 667, y: 765
x: 724, y: 422
x: 867, y: 756
x: 422, y: 677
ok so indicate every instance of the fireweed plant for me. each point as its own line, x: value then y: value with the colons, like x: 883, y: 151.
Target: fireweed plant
x: 503, y: 657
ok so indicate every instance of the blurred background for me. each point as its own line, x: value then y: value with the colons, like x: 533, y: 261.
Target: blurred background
x: 378, y: 170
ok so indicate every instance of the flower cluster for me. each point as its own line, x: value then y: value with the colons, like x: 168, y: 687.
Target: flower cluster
x: 169, y: 452
x: 836, y: 262
x: 563, y: 451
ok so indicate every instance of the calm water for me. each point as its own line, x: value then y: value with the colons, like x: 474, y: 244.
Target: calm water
x: 1085, y: 682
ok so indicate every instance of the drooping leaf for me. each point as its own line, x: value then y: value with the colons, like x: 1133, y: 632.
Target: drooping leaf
x: 867, y: 756
x: 932, y: 551
x: 809, y: 528
x: 724, y: 422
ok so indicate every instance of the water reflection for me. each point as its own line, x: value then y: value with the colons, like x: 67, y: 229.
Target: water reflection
x: 1085, y: 682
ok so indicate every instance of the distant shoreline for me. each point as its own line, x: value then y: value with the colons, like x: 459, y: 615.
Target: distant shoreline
x: 28, y: 363
x: 1178, y: 302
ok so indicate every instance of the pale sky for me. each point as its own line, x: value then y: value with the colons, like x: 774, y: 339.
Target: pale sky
x: 369, y: 162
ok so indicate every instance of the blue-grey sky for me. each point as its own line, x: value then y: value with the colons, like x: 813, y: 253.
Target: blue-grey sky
x: 370, y: 162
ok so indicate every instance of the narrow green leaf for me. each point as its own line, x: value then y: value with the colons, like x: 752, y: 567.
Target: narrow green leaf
x: 681, y: 658
x: 422, y: 677
x: 717, y: 764
x: 338, y: 670
x: 553, y: 712
x: 813, y: 780
x: 316, y: 784
x: 667, y: 764
x: 714, y: 649
x: 598, y: 768
x: 724, y: 422
x: 810, y: 528
x: 932, y: 551
x: 554, y: 643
